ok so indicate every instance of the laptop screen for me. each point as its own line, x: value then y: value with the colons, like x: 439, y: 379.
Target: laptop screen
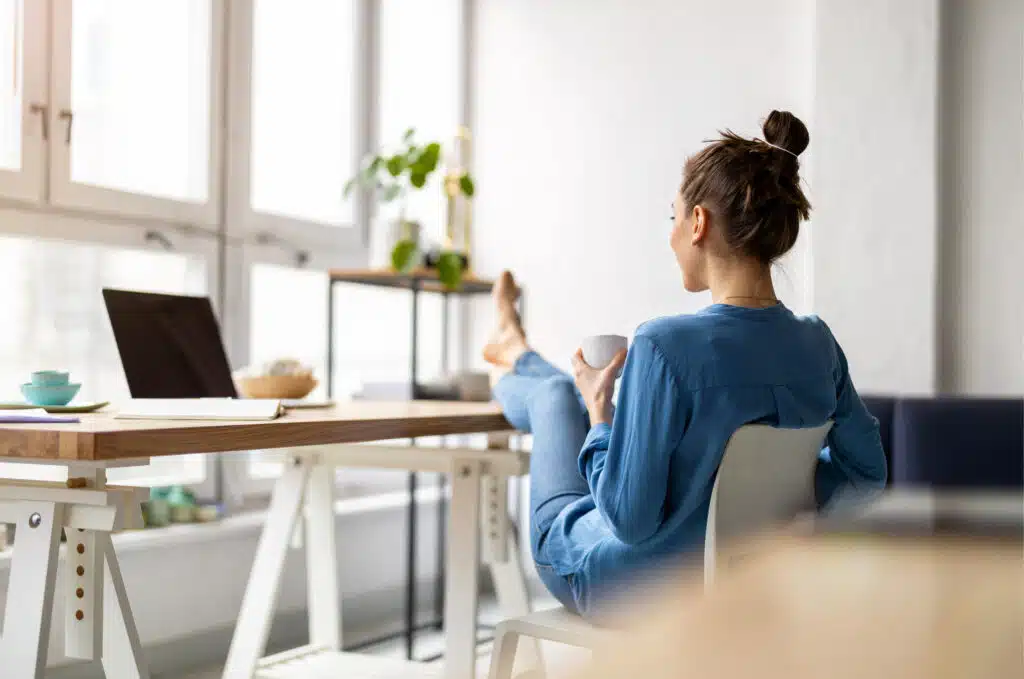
x: 170, y: 345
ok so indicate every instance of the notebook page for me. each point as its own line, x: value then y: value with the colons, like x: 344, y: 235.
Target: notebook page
x: 200, y: 409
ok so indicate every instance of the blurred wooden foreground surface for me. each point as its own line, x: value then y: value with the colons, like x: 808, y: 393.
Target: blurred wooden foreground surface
x: 837, y: 606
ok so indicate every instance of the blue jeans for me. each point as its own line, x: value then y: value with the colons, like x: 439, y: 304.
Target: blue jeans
x: 540, y: 399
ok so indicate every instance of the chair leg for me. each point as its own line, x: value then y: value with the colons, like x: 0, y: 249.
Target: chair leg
x: 503, y: 654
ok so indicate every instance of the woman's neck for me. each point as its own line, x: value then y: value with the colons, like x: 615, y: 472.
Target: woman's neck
x: 741, y: 283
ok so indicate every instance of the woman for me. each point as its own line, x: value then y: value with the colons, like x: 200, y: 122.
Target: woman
x: 617, y: 491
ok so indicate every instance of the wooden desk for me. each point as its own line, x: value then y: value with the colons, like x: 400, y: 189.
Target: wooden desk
x: 101, y: 437
x: 99, y: 623
x: 841, y: 606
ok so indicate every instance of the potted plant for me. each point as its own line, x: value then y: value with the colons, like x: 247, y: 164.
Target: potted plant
x: 391, y: 178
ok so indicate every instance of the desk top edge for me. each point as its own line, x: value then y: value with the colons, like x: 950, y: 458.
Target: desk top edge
x: 102, y: 437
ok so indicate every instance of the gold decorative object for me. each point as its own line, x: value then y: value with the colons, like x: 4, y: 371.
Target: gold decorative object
x: 458, y: 226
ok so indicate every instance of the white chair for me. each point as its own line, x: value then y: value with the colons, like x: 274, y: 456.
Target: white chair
x: 766, y: 478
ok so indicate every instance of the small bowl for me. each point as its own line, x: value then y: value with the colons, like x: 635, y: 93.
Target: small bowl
x: 277, y: 386
x: 157, y: 512
x: 183, y: 513
x: 57, y: 395
x: 50, y: 378
x: 207, y: 513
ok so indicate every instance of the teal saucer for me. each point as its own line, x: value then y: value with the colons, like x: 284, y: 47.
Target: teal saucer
x: 70, y: 408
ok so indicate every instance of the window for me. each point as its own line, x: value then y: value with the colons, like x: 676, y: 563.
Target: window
x: 106, y: 107
x: 307, y: 99
x: 288, y: 318
x: 54, y: 318
x: 140, y: 91
x: 294, y: 82
x: 136, y: 93
x: 23, y: 95
x: 113, y: 124
x: 303, y: 80
x: 420, y: 44
x: 11, y: 56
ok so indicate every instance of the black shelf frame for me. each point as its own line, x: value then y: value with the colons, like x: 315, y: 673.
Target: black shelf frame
x: 417, y: 284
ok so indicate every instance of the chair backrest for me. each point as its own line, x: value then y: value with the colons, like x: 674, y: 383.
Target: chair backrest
x: 766, y: 477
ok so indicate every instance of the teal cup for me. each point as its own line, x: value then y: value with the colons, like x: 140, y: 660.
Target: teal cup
x: 50, y: 378
x: 50, y: 388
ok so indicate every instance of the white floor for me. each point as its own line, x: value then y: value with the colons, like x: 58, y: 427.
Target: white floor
x: 430, y: 644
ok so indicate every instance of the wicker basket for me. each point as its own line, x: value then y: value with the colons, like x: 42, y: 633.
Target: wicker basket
x: 277, y: 386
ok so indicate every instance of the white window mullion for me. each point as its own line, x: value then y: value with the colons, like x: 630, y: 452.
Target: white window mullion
x: 143, y: 125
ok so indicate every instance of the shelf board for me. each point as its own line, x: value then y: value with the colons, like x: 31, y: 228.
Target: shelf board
x: 425, y: 279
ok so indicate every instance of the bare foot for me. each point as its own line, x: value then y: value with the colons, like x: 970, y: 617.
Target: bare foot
x: 508, y: 341
x: 505, y: 295
x: 506, y: 346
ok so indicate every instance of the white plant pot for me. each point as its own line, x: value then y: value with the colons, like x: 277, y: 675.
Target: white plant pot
x: 385, y: 234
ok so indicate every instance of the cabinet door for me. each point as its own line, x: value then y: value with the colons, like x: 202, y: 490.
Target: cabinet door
x: 136, y: 95
x: 24, y: 119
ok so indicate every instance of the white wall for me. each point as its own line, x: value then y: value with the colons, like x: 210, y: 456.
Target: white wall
x: 982, y: 208
x: 585, y: 112
x: 875, y: 242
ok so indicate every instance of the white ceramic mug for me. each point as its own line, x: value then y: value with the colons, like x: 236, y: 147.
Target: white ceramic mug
x: 599, y: 350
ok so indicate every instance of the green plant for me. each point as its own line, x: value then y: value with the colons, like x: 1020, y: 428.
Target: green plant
x: 449, y: 269
x: 392, y: 177
x: 403, y: 254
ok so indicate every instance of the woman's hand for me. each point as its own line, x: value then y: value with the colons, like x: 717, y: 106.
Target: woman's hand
x: 597, y: 385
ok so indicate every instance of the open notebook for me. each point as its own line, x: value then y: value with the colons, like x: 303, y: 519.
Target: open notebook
x: 200, y: 409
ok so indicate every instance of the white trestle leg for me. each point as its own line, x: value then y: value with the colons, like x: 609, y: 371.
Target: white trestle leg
x: 83, y: 583
x: 260, y: 599
x: 26, y: 631
x: 98, y: 621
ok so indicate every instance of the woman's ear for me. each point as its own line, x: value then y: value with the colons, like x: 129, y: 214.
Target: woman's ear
x: 700, y: 222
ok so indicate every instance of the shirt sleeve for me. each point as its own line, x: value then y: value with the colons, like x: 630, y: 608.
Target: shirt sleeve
x: 854, y: 459
x: 627, y: 464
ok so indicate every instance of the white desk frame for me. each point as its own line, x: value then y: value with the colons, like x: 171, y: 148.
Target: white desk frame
x: 98, y: 619
x: 303, y: 497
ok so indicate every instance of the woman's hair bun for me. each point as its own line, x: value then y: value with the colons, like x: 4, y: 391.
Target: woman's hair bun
x: 784, y: 129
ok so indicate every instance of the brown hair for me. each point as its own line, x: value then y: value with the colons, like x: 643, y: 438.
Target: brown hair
x: 753, y: 187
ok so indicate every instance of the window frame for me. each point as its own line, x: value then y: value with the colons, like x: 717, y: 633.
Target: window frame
x: 224, y: 230
x: 27, y: 184
x: 64, y: 192
x: 43, y: 223
x: 332, y: 242
x: 235, y: 470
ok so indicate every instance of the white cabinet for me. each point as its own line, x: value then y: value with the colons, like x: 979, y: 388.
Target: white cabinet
x: 124, y: 108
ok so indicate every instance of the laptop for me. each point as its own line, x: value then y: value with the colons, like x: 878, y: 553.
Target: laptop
x: 170, y: 345
x: 171, y: 348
